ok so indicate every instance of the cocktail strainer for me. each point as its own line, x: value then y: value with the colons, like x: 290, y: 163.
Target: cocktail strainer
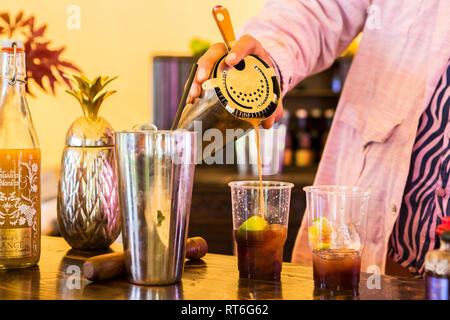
x: 231, y: 97
x: 248, y: 90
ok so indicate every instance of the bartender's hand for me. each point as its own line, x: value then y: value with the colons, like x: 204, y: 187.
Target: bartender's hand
x: 245, y: 46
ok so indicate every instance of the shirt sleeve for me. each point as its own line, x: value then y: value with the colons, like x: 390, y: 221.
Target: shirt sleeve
x: 304, y: 37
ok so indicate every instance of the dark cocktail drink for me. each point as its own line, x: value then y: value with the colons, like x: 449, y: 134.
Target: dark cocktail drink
x: 260, y: 221
x: 260, y: 253
x: 337, y: 219
x: 337, y: 271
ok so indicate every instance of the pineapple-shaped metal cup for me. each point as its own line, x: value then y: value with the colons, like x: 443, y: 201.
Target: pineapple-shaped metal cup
x: 88, y: 203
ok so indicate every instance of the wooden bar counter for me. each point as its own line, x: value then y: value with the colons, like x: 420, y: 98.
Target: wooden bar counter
x: 215, y: 277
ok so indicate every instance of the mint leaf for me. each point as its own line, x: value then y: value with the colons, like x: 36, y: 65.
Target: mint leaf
x: 160, y: 217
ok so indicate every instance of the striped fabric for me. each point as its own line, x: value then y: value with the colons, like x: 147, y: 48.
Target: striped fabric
x: 426, y: 196
x: 393, y: 76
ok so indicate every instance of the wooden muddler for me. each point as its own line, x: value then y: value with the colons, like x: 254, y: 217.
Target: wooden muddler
x: 111, y: 265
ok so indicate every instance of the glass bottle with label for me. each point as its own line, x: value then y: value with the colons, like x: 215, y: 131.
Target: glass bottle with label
x: 437, y: 266
x: 20, y: 166
x: 328, y: 117
x: 304, y: 155
x: 316, y: 128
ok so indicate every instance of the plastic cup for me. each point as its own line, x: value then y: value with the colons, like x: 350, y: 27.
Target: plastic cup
x: 260, y: 221
x: 337, y: 217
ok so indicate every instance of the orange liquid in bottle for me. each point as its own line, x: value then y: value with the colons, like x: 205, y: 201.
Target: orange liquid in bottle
x: 20, y: 209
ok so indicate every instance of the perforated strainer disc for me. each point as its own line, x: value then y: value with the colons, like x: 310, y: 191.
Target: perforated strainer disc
x: 248, y: 90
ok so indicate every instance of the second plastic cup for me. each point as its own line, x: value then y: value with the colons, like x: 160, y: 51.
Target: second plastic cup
x: 260, y: 221
x: 337, y: 218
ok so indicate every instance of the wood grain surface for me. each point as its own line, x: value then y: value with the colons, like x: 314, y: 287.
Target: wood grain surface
x: 215, y: 277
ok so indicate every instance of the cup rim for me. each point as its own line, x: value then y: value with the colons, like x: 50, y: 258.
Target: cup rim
x: 254, y: 184
x: 337, y: 190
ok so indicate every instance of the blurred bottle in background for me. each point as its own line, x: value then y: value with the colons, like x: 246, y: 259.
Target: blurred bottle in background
x: 437, y: 266
x: 328, y: 120
x: 316, y: 128
x: 288, y: 158
x: 304, y: 154
x: 336, y: 81
x: 306, y: 136
x: 271, y: 148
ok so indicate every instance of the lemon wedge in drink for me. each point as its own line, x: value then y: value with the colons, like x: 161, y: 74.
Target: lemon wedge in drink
x: 319, y: 234
x: 254, y: 223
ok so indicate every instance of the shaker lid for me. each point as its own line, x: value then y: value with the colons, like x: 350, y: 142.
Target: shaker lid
x: 90, y: 132
x: 248, y: 90
x: 443, y: 230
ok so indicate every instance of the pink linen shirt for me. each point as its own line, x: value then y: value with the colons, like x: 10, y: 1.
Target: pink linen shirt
x: 404, y: 47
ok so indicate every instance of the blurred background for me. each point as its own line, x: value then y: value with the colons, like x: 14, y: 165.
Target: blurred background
x: 151, y: 46
x: 116, y: 38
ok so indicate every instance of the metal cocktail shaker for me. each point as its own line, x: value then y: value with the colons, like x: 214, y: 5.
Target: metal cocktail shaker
x: 232, y: 97
x: 155, y: 174
x: 229, y: 100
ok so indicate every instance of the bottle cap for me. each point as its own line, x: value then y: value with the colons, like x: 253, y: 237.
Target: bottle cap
x: 316, y: 113
x: 445, y: 221
x: 9, y: 44
x: 329, y: 113
x: 443, y: 228
x: 301, y: 113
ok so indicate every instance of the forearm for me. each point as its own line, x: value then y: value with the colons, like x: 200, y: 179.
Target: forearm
x: 304, y: 37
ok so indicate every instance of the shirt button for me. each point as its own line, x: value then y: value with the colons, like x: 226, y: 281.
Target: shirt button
x: 440, y: 192
x: 394, y: 209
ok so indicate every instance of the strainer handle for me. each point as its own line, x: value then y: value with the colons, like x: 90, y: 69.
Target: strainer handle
x: 223, y: 21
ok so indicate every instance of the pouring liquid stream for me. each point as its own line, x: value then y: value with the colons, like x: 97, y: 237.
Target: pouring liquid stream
x: 255, y: 123
x: 223, y: 20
